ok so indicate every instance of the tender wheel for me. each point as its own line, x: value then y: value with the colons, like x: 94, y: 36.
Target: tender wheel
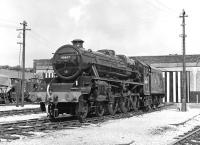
x: 100, y: 109
x: 155, y: 102
x: 124, y: 105
x: 112, y: 107
x: 147, y: 108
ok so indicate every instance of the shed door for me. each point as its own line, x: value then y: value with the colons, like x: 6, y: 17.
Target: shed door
x: 173, y: 86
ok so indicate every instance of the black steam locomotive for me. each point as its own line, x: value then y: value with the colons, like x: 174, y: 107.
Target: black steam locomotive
x: 100, y: 82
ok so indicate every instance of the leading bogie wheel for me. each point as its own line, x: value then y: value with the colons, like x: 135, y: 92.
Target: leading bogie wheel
x: 82, y: 110
x: 51, y: 111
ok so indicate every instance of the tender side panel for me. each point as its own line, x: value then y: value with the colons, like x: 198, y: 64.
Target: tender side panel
x: 157, y: 82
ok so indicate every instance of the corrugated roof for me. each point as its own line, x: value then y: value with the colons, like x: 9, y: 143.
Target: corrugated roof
x: 168, y: 59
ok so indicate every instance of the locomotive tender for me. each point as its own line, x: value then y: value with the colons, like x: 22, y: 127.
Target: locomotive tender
x: 100, y: 82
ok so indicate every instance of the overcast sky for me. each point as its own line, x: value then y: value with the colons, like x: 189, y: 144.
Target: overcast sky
x: 130, y: 27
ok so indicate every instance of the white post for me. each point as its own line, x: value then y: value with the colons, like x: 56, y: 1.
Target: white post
x: 195, y: 79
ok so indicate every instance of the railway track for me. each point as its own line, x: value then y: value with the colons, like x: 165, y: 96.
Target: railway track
x: 12, y: 131
x: 190, y: 138
x: 22, y: 111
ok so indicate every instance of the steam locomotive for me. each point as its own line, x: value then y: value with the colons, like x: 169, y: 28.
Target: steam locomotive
x: 101, y: 82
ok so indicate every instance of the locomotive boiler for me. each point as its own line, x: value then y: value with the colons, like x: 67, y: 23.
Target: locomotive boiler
x: 89, y: 82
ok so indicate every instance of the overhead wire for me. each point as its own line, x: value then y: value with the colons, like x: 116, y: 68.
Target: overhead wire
x: 161, y: 7
x: 8, y: 23
x: 35, y: 35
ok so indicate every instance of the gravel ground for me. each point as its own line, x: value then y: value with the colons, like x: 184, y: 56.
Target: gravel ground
x: 157, y: 128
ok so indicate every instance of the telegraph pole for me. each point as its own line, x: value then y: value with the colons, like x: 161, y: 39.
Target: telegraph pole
x: 183, y: 106
x: 23, y: 60
x: 17, y: 95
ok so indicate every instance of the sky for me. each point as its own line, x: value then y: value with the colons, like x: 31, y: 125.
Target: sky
x: 130, y: 27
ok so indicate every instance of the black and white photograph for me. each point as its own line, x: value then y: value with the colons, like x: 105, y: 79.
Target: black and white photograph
x: 99, y: 72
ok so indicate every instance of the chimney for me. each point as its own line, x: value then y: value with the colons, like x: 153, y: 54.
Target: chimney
x: 78, y: 43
